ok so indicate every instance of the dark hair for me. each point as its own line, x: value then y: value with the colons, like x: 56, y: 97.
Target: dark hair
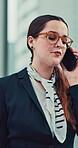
x: 38, y: 24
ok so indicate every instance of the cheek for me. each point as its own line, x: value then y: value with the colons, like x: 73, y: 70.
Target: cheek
x: 64, y: 51
x: 42, y: 48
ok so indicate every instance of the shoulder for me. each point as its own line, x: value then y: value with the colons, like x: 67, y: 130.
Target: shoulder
x: 10, y: 80
x: 73, y: 90
x: 7, y: 79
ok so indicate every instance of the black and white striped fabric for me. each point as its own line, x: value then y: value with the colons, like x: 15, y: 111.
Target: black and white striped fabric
x: 53, y: 105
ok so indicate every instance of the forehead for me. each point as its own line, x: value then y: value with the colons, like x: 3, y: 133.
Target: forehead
x: 57, y: 26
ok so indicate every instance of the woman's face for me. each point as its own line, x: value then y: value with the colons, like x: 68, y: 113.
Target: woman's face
x: 45, y: 53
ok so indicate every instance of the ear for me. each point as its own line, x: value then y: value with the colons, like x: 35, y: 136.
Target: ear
x: 30, y: 41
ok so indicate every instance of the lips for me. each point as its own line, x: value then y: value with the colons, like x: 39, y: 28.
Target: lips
x: 57, y: 53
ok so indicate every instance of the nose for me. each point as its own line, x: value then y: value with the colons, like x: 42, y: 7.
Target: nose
x: 59, y: 42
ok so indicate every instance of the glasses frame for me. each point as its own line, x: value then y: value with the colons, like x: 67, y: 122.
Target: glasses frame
x: 47, y: 33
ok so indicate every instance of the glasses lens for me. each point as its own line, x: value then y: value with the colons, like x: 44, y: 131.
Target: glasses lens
x: 66, y: 40
x: 52, y: 37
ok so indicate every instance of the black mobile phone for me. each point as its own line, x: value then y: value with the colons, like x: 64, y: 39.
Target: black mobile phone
x: 69, y: 59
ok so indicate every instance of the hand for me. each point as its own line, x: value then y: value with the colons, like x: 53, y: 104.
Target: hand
x: 72, y: 76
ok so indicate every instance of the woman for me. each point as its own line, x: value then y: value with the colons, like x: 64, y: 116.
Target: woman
x: 38, y: 105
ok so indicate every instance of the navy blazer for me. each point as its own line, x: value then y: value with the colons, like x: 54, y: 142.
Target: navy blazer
x: 22, y: 121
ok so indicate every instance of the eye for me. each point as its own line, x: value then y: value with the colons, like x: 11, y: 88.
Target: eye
x: 64, y: 40
x: 52, y: 37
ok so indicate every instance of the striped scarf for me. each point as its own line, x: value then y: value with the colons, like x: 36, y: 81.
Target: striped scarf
x: 53, y: 105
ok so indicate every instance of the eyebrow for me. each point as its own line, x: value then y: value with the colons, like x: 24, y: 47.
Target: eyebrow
x: 56, y: 32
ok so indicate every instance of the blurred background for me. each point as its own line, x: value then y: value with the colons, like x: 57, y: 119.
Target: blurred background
x: 15, y: 17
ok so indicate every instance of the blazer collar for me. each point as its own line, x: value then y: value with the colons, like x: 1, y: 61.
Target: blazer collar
x: 25, y: 81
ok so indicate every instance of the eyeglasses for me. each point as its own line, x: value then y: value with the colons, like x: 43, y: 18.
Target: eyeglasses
x: 53, y: 38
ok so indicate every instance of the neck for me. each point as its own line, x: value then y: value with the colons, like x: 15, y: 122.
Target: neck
x: 44, y: 72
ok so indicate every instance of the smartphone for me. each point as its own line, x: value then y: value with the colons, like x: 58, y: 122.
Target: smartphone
x: 69, y: 59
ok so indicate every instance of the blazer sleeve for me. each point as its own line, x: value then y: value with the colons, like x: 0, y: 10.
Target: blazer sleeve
x: 73, y: 91
x: 3, y: 120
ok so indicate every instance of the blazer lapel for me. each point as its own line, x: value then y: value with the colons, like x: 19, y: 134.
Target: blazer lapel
x: 25, y: 81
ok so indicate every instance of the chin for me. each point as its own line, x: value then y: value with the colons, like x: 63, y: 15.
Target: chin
x: 55, y: 63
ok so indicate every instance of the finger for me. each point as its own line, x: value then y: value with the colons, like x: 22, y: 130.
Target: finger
x: 75, y: 52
